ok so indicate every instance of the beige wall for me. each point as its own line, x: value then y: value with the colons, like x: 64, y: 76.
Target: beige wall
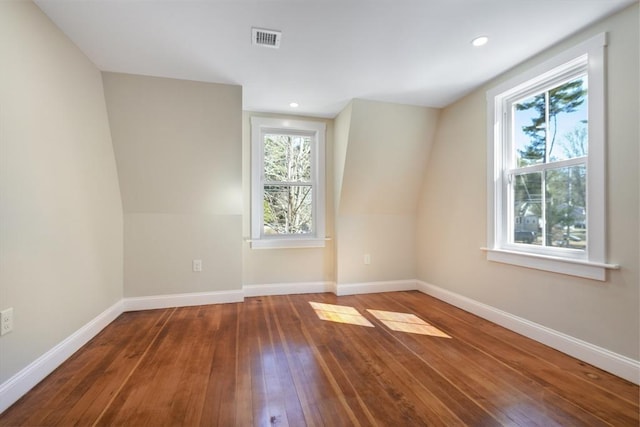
x: 385, y: 155
x: 60, y: 209
x: 452, y: 213
x: 270, y: 266
x: 178, y: 148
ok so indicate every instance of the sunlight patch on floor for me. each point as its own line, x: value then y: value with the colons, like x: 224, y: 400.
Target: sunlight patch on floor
x: 340, y: 314
x: 406, y: 322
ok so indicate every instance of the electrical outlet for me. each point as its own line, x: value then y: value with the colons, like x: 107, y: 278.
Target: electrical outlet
x: 6, y: 321
x: 367, y: 259
x: 197, y: 265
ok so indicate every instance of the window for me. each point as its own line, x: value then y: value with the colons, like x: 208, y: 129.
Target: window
x: 546, y: 136
x: 287, y: 201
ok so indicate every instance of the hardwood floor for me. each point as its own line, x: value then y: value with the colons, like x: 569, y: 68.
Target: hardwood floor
x: 271, y: 361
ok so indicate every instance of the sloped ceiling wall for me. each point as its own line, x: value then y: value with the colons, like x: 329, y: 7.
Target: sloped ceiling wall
x: 381, y: 153
x: 60, y: 211
x: 342, y: 124
x: 178, y: 146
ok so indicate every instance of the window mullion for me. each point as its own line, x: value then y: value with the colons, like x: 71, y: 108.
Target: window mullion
x: 547, y: 127
x: 510, y: 223
x: 290, y: 183
x: 552, y: 165
x: 543, y: 207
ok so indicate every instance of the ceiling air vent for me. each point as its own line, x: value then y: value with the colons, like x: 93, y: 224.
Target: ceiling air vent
x: 267, y: 38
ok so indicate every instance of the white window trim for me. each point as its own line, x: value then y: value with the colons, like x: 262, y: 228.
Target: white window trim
x: 259, y: 126
x: 590, y: 263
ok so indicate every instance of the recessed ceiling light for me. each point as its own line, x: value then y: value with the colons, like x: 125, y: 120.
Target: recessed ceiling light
x: 480, y: 41
x: 293, y: 105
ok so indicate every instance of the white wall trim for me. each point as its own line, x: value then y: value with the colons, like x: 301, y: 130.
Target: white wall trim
x: 374, y: 287
x: 288, y: 288
x: 602, y: 358
x: 181, y: 300
x: 19, y: 384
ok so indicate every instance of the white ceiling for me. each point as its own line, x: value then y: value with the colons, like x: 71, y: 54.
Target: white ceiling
x: 405, y: 51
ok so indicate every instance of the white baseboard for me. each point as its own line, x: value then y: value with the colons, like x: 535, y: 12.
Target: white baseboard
x: 181, y: 300
x: 19, y: 384
x: 602, y: 358
x: 288, y: 288
x: 375, y: 287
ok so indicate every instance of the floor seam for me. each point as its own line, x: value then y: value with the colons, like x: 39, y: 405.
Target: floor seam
x: 126, y: 380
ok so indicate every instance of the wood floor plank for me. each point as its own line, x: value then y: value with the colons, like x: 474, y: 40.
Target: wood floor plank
x: 143, y: 395
x: 272, y: 361
x: 324, y: 364
x: 599, y: 381
x: 102, y: 384
x: 294, y: 411
x: 272, y: 408
x: 608, y: 406
x: 395, y: 392
x: 501, y: 389
x: 244, y: 380
x: 292, y: 344
x: 81, y: 387
x: 427, y: 379
x: 191, y: 365
x: 473, y: 389
x: 592, y: 375
x: 210, y: 386
x: 320, y: 405
x: 340, y: 378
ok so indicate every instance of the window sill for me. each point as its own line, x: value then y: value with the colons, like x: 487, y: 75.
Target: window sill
x: 571, y: 267
x: 288, y: 243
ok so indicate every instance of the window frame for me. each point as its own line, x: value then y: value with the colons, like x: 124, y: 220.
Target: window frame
x: 260, y: 126
x: 590, y: 263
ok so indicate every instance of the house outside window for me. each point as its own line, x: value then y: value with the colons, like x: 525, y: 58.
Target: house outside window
x: 287, y: 174
x: 546, y: 157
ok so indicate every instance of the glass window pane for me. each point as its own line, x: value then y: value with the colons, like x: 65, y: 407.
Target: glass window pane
x: 566, y: 207
x: 568, y: 115
x: 527, y: 209
x: 287, y: 209
x: 530, y: 130
x: 287, y: 158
